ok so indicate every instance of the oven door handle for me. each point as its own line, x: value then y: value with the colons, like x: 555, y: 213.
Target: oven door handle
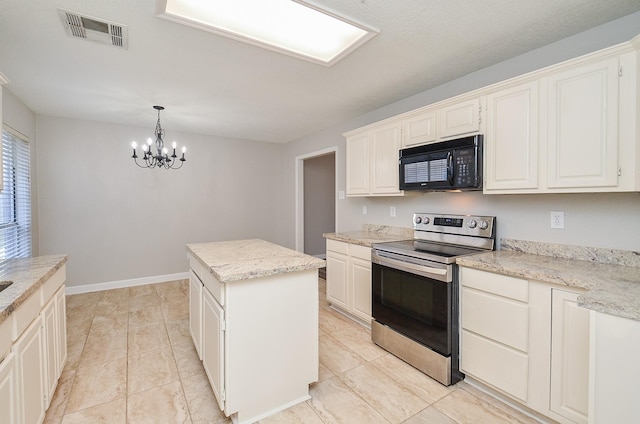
x: 409, y: 267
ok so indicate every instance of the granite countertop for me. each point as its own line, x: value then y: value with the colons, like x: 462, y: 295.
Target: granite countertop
x: 246, y: 259
x: 370, y: 234
x: 27, y: 275
x: 609, y: 287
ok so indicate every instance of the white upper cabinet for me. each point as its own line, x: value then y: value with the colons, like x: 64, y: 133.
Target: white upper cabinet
x: 511, y: 142
x: 582, y: 133
x: 459, y: 119
x: 358, y: 164
x: 419, y: 128
x: 385, y: 148
x: 372, y: 160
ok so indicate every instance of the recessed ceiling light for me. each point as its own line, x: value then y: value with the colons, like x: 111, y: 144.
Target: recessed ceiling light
x: 294, y: 27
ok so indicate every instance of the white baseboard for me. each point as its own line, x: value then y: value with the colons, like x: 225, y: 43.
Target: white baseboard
x: 88, y: 288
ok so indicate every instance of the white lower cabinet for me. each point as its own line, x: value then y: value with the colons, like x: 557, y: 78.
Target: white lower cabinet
x: 569, y: 357
x: 349, y: 278
x: 29, y: 372
x: 527, y: 340
x: 213, y: 344
x: 31, y: 367
x: 9, y: 390
x: 195, y: 311
x: 259, y: 339
x: 614, y: 373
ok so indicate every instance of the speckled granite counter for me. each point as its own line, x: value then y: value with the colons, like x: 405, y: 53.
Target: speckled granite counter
x: 245, y: 259
x: 370, y: 234
x: 27, y: 275
x: 612, y: 288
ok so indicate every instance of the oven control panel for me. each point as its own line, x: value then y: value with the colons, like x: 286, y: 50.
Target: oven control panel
x: 467, y: 225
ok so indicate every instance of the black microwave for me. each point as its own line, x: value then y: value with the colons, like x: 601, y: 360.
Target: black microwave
x: 446, y: 165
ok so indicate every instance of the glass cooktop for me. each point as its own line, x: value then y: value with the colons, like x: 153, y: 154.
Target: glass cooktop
x: 438, y: 252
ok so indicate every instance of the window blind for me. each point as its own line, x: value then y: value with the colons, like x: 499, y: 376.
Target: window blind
x: 15, y: 197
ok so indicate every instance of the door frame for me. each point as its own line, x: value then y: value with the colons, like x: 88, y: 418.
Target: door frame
x: 299, y: 188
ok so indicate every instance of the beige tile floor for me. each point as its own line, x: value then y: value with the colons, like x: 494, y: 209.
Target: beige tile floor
x: 131, y: 360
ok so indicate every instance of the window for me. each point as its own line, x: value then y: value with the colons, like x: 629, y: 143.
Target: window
x: 15, y: 198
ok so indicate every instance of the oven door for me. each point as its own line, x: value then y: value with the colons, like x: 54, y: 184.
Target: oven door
x: 414, y: 300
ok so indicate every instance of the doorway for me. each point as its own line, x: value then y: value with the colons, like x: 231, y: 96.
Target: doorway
x: 315, y: 200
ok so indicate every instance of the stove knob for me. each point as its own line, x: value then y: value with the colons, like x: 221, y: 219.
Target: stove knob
x: 484, y: 225
x: 418, y: 220
x: 425, y: 221
x: 472, y: 224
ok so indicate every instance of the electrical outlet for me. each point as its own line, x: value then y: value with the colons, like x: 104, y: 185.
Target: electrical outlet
x: 557, y: 220
x: 364, y: 210
x: 392, y: 211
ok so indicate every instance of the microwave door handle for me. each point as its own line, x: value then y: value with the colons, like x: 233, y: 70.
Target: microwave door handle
x: 450, y: 168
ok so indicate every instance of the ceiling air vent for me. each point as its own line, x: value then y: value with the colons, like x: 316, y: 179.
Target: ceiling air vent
x: 94, y: 29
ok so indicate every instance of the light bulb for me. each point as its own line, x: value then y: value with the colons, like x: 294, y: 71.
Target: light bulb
x: 164, y: 150
x: 134, y: 145
x: 149, y: 141
x: 184, y: 149
x: 144, y: 147
x: 174, y: 145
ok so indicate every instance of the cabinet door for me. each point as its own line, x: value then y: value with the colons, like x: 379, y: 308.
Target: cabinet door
x: 511, y: 144
x: 360, y: 270
x: 50, y: 353
x: 337, y: 279
x: 569, y: 357
x: 31, y: 374
x: 459, y: 119
x: 195, y: 311
x: 583, y: 126
x: 419, y: 129
x: 8, y: 390
x: 61, y: 327
x: 385, y: 149
x: 213, y: 345
x: 358, y: 160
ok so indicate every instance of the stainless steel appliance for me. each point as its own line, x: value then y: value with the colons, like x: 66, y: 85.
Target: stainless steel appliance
x: 415, y: 290
x: 446, y: 165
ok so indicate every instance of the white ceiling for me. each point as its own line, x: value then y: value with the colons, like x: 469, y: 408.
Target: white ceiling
x: 218, y: 86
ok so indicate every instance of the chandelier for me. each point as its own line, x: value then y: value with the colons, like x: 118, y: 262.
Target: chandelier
x: 161, y: 159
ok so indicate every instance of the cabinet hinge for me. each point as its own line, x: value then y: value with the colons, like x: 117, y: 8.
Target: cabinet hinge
x: 480, y: 114
x: 223, y: 395
x: 619, y: 71
x: 619, y: 171
x: 223, y: 325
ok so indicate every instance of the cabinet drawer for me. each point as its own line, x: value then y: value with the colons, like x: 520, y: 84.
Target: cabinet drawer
x: 26, y: 313
x: 502, y: 285
x: 5, y: 336
x: 53, y: 284
x: 338, y: 246
x: 503, y: 368
x: 196, y: 266
x: 496, y: 318
x: 362, y: 252
x: 215, y: 287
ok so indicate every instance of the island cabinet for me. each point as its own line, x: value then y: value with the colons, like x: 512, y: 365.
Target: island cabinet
x: 527, y: 340
x: 257, y: 329
x: 349, y: 278
x: 33, y: 352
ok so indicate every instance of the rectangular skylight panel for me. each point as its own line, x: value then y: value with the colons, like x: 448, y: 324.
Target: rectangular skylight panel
x: 297, y: 27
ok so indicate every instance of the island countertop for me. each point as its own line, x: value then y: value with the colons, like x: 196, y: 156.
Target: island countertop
x: 27, y: 275
x: 246, y: 259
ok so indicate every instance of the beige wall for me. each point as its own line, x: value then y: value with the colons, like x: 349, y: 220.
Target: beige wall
x: 120, y: 222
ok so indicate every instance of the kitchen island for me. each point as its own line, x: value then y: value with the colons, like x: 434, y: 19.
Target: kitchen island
x: 254, y: 323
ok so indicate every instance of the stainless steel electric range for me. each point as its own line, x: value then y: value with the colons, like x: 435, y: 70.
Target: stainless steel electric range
x: 415, y: 290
